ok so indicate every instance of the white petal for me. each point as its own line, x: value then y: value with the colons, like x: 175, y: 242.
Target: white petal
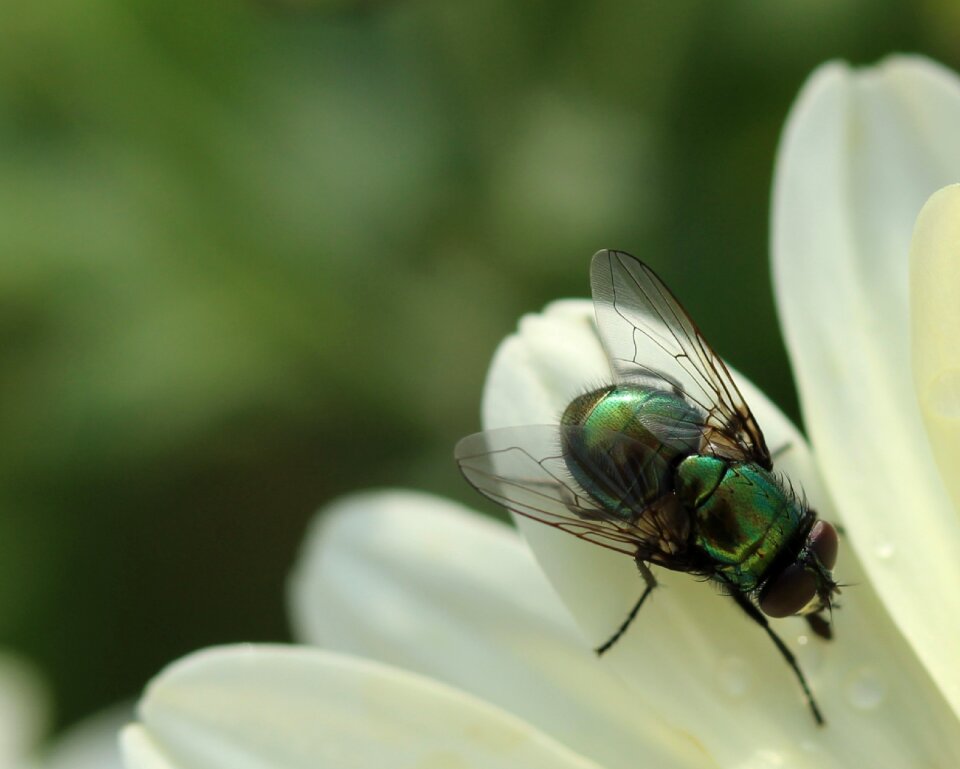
x: 935, y: 302
x: 263, y: 707
x: 92, y: 743
x: 861, y: 153
x: 535, y: 374
x: 692, y: 655
x: 141, y: 751
x: 23, y: 709
x: 424, y: 584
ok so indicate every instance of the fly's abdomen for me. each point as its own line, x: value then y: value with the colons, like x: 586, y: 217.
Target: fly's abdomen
x: 743, y: 516
x: 623, y: 442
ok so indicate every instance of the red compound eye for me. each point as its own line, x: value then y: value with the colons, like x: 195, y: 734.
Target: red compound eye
x: 823, y: 541
x: 788, y: 592
x: 796, y: 586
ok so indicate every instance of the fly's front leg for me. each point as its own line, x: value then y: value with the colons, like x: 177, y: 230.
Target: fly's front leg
x: 819, y: 625
x: 757, y: 616
x: 651, y: 583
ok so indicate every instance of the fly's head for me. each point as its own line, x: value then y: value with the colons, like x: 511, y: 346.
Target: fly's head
x: 805, y: 586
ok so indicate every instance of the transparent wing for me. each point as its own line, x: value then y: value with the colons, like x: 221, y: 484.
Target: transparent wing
x: 524, y: 470
x: 651, y: 340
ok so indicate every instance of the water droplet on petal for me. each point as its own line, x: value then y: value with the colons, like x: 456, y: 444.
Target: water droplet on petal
x: 811, y: 747
x: 885, y: 551
x: 735, y: 676
x: 802, y: 640
x: 765, y: 759
x: 865, y: 689
x: 810, y: 655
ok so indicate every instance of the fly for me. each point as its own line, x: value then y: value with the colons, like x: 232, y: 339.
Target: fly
x: 666, y: 465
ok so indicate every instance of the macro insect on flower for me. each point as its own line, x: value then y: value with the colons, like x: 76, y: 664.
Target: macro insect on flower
x: 667, y: 465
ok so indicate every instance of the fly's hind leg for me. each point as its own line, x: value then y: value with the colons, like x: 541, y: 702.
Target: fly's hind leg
x: 757, y: 616
x: 651, y: 583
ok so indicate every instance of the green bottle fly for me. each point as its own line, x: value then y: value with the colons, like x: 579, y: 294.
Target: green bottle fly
x: 666, y: 465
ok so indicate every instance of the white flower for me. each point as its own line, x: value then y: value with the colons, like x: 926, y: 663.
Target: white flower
x: 23, y: 710
x: 92, y: 743
x: 502, y: 678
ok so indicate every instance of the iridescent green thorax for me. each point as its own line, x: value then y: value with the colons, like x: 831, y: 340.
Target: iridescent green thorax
x: 646, y: 441
x: 744, y: 517
x: 623, y: 429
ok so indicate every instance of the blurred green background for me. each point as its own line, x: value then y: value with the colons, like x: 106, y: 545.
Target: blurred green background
x: 255, y: 255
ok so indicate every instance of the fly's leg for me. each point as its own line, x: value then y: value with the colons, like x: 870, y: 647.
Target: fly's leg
x: 651, y: 583
x: 819, y: 625
x: 755, y: 614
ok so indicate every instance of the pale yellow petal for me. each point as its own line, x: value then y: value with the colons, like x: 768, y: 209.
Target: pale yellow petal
x: 264, y: 707
x: 935, y: 305
x: 861, y: 153
x: 140, y: 751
